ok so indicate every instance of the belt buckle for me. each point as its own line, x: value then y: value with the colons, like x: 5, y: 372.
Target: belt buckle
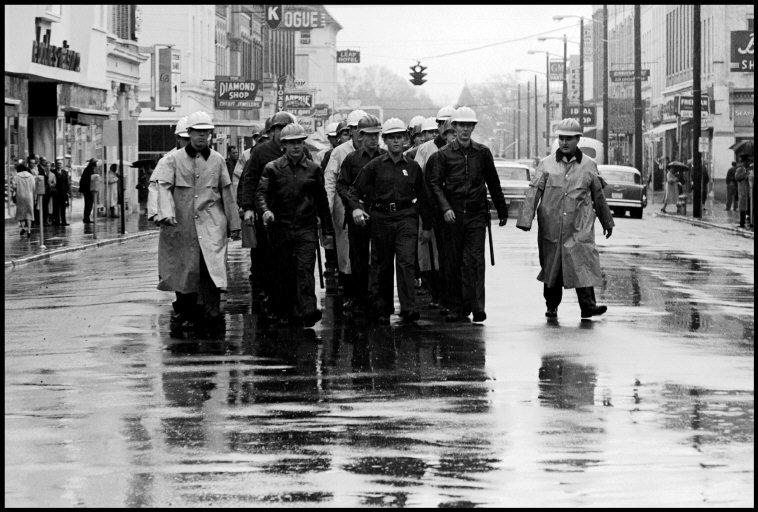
x: 393, y: 208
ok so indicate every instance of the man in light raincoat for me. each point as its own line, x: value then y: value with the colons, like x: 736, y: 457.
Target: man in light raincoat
x: 567, y: 195
x: 193, y: 202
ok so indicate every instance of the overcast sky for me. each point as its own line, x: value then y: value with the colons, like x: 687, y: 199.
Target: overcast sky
x: 397, y: 35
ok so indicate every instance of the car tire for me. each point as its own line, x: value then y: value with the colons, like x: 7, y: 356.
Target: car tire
x: 636, y: 213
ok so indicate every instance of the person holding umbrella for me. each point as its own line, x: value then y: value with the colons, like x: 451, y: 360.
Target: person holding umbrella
x: 672, y: 189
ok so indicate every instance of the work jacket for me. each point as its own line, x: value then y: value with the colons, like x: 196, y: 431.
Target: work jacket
x: 567, y: 197
x: 460, y: 176
x: 194, y: 188
x: 261, y: 155
x: 294, y: 193
x: 351, y: 168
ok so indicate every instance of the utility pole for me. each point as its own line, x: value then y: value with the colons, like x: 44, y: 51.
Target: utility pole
x: 606, y: 128
x: 581, y: 74
x: 528, y: 119
x: 518, y: 124
x: 515, y: 134
x: 547, y: 103
x: 697, y: 163
x: 536, y: 130
x: 564, y: 96
x: 637, y: 91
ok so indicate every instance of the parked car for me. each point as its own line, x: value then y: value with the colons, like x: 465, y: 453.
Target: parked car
x: 514, y: 181
x: 624, y: 190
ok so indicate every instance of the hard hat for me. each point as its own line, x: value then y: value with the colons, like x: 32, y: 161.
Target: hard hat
x: 445, y: 113
x: 369, y: 124
x: 429, y: 125
x: 293, y: 131
x: 447, y: 127
x: 199, y: 121
x: 393, y: 125
x: 355, y: 116
x: 266, y: 126
x: 415, y: 121
x: 464, y: 115
x: 255, y: 129
x: 568, y: 127
x: 342, y: 126
x: 331, y: 129
x: 181, y: 127
x: 282, y: 118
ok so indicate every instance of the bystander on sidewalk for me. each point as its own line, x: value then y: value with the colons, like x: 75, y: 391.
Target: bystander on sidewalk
x: 714, y: 215
x: 58, y: 239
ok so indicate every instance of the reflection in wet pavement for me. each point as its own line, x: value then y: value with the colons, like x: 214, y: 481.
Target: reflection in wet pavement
x: 652, y: 405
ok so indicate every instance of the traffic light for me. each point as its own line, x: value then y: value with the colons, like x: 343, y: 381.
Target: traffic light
x: 417, y: 77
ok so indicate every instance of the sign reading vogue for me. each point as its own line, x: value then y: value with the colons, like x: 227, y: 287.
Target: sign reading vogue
x: 743, y: 49
x: 291, y: 18
x: 348, y: 57
x: 56, y: 56
x: 233, y: 93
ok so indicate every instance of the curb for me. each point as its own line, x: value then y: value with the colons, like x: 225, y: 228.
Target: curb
x: 65, y: 250
x: 703, y: 224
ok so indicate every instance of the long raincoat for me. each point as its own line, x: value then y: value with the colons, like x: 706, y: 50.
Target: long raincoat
x: 567, y: 197
x: 23, y: 189
x: 197, y: 192
x: 335, y: 204
x: 743, y: 178
x: 425, y: 150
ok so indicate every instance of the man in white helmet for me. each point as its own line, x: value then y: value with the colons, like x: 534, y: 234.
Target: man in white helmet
x: 414, y: 135
x: 331, y: 173
x: 391, y: 187
x: 289, y: 198
x: 459, y: 176
x: 567, y: 194
x: 194, y: 207
x: 434, y: 271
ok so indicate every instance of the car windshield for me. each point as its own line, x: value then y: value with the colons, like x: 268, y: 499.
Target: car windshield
x: 617, y: 175
x: 512, y: 173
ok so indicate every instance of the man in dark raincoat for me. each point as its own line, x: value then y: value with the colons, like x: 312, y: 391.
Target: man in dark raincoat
x: 567, y: 194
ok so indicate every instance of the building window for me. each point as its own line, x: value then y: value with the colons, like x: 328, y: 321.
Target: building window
x: 122, y: 21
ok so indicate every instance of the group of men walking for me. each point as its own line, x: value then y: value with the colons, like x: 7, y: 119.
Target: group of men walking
x: 403, y: 206
x: 38, y: 183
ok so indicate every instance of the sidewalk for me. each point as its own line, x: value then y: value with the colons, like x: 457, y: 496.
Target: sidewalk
x: 714, y: 215
x: 78, y: 236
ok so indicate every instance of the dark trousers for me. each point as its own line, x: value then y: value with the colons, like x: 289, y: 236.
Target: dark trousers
x: 264, y: 260
x: 394, y: 238
x: 464, y: 240
x: 88, y: 201
x: 359, y: 238
x: 59, y: 209
x: 294, y: 252
x: 731, y: 196
x: 207, y: 295
x: 553, y: 296
x: 439, y: 277
x: 46, y: 207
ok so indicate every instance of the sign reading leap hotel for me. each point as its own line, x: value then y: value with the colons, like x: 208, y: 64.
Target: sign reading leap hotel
x: 348, y: 57
x: 233, y: 93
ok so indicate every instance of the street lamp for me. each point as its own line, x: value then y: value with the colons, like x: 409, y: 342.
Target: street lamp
x: 564, y: 97
x: 547, y: 94
x: 581, y: 67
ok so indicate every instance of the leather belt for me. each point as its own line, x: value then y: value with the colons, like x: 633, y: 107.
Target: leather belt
x: 393, y: 207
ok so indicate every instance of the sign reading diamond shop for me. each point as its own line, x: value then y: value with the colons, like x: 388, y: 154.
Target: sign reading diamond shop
x: 348, y: 57
x: 233, y: 92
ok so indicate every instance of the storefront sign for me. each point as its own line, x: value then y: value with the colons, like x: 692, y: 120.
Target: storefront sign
x: 233, y: 92
x: 589, y: 116
x: 743, y: 115
x: 308, y: 123
x: 298, y: 101
x: 305, y: 37
x: 743, y: 45
x: 321, y: 110
x: 556, y: 70
x: 627, y: 75
x: 684, y: 106
x: 291, y: 18
x: 55, y: 56
x: 348, y: 57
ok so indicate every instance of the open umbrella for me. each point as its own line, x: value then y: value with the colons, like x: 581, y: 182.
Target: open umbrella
x: 742, y: 147
x: 677, y: 164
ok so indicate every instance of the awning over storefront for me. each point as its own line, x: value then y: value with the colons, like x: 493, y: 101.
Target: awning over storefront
x: 658, y: 130
x: 85, y: 116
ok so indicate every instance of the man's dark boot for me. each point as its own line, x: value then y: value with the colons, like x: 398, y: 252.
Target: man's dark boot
x: 594, y: 311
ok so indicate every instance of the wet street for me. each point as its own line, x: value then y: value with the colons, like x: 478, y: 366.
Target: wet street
x: 651, y: 404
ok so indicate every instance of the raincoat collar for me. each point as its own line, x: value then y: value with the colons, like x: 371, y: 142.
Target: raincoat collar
x: 192, y: 152
x: 578, y: 155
